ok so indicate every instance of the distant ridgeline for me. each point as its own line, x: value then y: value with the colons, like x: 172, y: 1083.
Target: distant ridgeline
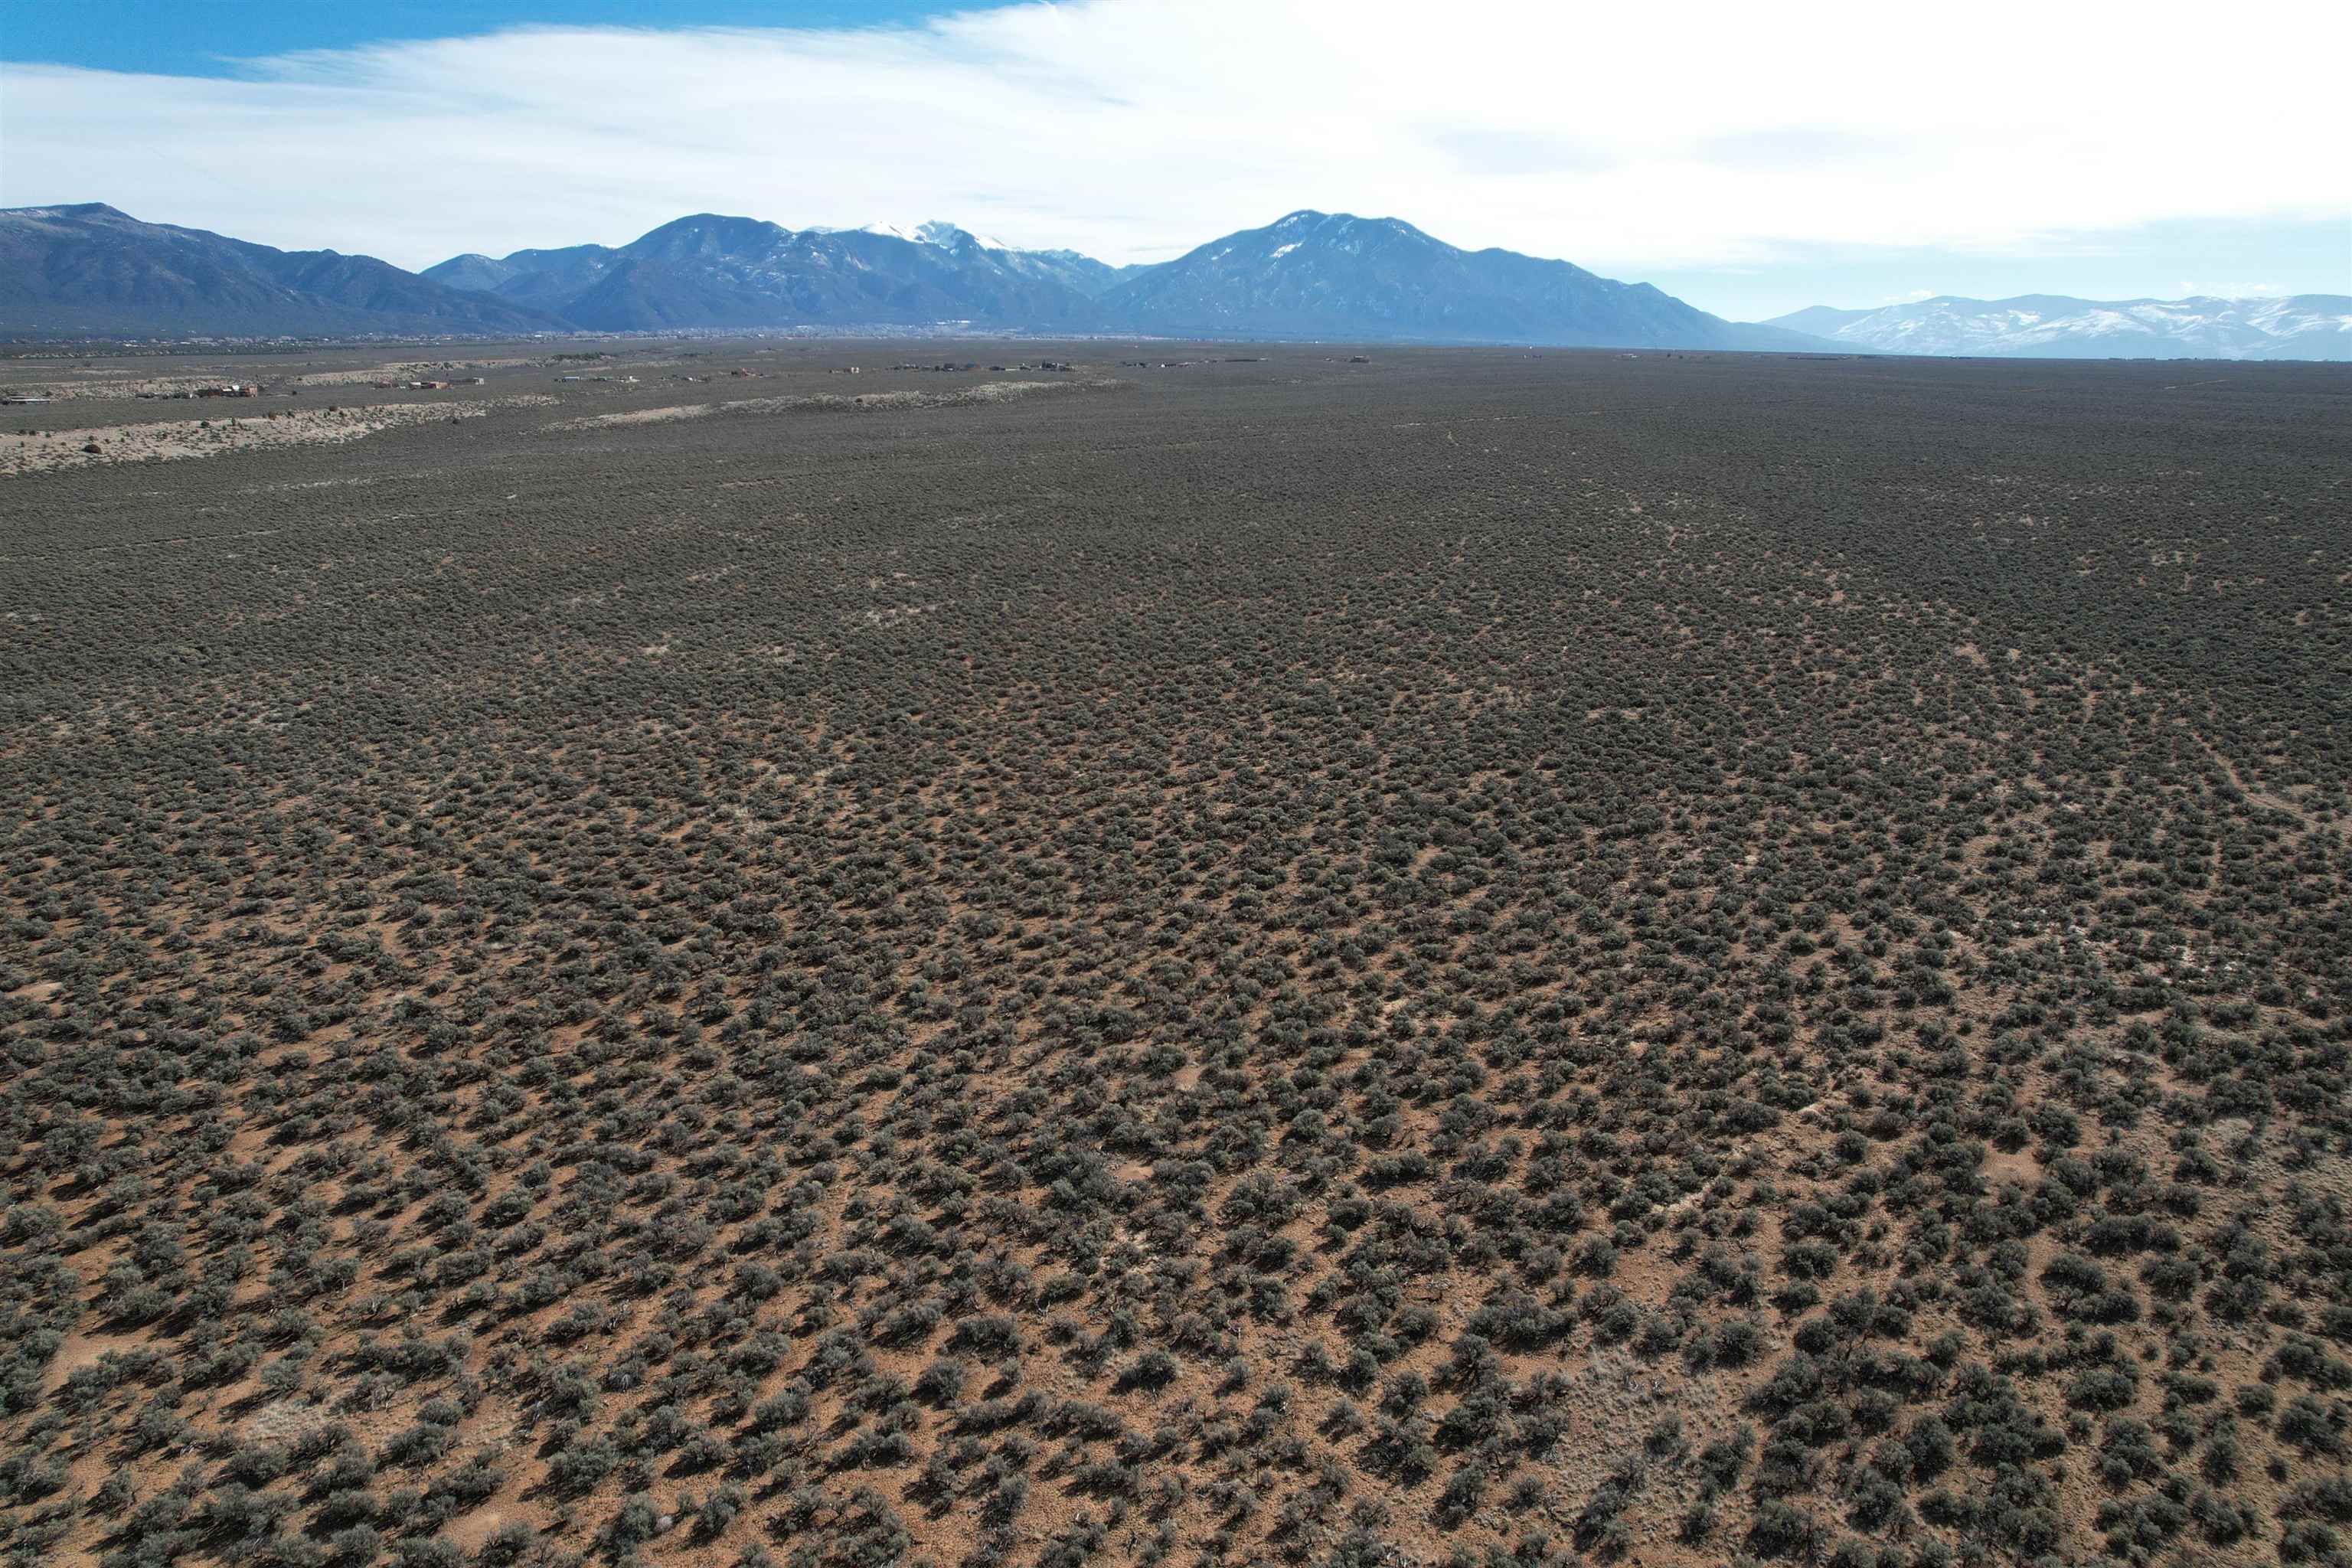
x: 92, y: 270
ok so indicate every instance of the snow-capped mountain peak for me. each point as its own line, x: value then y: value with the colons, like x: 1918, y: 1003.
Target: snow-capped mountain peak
x: 2053, y: 326
x: 947, y: 236
x: 936, y: 232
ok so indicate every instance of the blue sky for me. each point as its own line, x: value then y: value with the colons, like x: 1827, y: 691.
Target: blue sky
x: 1712, y: 165
x: 206, y: 39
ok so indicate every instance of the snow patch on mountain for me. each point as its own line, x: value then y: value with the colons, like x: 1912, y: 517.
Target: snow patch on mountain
x: 2304, y: 326
x: 938, y: 232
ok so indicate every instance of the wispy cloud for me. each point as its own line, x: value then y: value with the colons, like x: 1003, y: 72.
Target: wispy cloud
x: 1134, y: 128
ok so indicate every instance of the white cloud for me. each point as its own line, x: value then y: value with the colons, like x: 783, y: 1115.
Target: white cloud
x: 1133, y: 129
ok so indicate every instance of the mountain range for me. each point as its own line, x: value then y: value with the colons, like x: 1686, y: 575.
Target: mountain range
x: 1311, y: 273
x: 2054, y: 326
x: 92, y: 270
x: 709, y: 271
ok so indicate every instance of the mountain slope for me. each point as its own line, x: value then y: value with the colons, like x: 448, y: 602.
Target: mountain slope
x: 1081, y: 272
x: 1316, y: 274
x: 473, y: 272
x: 2056, y: 326
x: 91, y: 268
x: 541, y: 278
x: 712, y: 270
x: 1069, y: 268
x: 1310, y: 274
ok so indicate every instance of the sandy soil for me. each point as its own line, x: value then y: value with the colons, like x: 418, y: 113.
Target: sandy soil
x: 114, y: 385
x: 635, y: 416
x: 987, y: 392
x: 67, y: 384
x: 166, y: 439
x: 360, y: 375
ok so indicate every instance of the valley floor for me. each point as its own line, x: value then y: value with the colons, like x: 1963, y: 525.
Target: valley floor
x: 1475, y: 956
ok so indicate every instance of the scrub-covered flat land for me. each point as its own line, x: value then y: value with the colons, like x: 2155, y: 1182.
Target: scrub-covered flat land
x: 1241, y: 959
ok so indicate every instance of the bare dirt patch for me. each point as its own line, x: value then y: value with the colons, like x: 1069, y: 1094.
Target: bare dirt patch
x: 635, y: 416
x: 168, y: 440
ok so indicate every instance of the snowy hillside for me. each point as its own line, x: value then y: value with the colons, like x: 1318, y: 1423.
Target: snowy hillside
x: 2053, y: 326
